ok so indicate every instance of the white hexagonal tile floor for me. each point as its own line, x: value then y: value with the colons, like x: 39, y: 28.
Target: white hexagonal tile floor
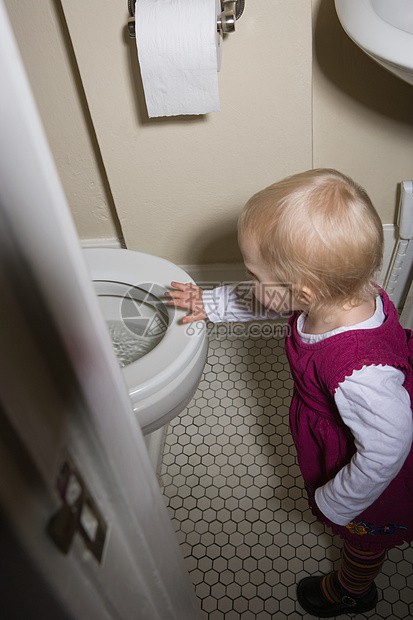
x: 235, y: 494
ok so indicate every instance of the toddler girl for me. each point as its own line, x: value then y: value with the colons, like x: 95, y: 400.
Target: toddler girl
x: 312, y: 244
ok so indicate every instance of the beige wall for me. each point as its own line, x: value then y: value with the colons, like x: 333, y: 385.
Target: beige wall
x: 295, y: 93
x: 363, y: 115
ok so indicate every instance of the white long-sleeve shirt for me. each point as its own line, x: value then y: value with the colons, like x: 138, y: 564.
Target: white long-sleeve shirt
x: 364, y: 400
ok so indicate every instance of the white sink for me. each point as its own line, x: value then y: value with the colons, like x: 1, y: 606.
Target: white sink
x: 383, y: 29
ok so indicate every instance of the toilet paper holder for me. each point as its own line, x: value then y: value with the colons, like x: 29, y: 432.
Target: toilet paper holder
x: 231, y: 11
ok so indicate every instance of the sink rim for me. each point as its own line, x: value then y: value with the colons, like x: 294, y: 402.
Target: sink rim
x: 395, y: 13
x: 354, y: 14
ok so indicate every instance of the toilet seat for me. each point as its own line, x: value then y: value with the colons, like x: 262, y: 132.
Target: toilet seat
x: 163, y: 380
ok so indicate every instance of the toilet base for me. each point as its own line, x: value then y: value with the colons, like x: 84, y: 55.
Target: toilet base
x: 155, y: 444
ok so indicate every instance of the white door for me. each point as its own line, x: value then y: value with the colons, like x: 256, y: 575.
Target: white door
x: 88, y: 535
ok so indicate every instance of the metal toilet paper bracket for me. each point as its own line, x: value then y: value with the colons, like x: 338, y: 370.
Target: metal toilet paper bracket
x: 231, y: 11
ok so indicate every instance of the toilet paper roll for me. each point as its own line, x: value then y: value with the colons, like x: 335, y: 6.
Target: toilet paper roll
x: 179, y: 52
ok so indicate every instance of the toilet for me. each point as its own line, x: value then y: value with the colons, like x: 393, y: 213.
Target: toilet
x: 162, y: 359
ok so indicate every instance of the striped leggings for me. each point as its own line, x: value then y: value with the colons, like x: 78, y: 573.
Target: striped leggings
x: 356, y: 574
x: 359, y: 568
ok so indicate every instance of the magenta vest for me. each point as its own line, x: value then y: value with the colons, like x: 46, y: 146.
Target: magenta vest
x: 325, y: 444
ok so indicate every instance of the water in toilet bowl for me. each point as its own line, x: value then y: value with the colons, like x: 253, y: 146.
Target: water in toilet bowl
x: 128, y: 346
x: 136, y: 318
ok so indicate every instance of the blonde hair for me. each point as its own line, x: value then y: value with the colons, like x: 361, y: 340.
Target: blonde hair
x: 317, y: 229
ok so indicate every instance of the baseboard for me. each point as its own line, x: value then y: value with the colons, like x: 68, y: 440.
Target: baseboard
x: 217, y: 273
x: 111, y: 242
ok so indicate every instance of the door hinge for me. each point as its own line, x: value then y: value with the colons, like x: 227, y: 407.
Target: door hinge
x: 78, y: 513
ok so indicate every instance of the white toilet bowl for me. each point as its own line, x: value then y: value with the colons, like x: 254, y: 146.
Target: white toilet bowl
x: 130, y: 287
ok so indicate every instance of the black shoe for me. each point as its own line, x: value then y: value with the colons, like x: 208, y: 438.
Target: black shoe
x: 312, y: 600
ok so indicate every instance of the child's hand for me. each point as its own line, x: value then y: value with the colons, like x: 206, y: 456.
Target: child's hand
x: 188, y: 296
